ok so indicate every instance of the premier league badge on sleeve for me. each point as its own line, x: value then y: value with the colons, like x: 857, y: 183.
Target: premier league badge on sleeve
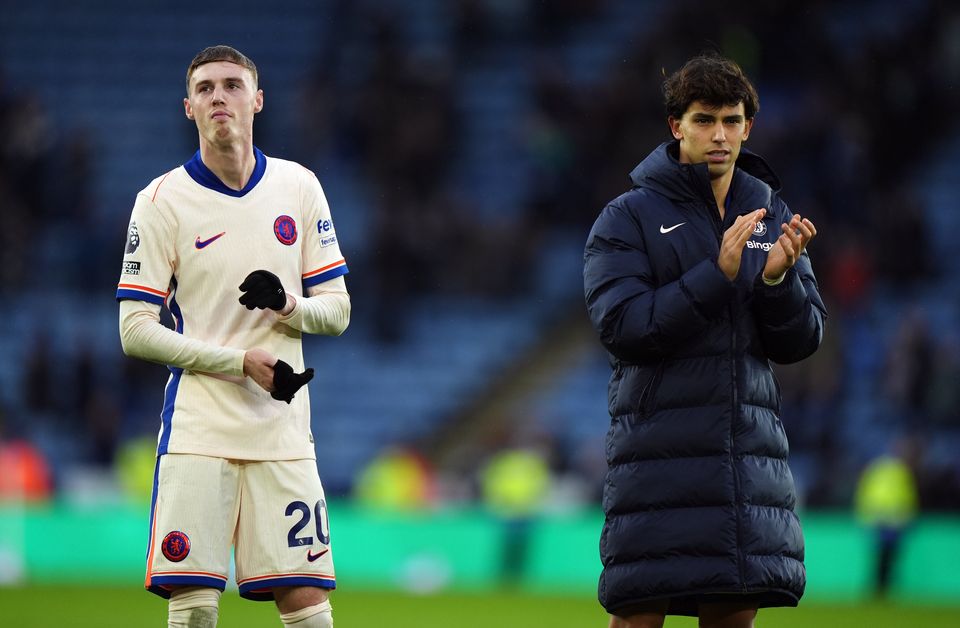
x: 133, y: 239
x: 285, y: 229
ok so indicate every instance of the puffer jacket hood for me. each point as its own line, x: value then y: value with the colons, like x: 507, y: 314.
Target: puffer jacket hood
x: 663, y: 173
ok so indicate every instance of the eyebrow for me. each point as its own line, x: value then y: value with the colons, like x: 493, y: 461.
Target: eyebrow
x: 735, y: 117
x: 236, y: 79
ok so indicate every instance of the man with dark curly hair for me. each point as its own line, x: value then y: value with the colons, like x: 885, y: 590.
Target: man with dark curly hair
x: 696, y: 280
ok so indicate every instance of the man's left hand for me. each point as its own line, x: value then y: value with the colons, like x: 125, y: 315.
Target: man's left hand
x: 262, y: 289
x: 789, y: 246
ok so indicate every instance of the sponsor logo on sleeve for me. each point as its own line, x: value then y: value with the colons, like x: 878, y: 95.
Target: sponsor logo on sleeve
x: 133, y: 239
x: 327, y: 233
x: 131, y: 268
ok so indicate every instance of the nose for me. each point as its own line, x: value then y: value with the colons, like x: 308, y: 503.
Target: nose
x: 718, y: 134
x: 217, y: 96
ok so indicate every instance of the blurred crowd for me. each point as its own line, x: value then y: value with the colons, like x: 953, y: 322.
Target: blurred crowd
x: 45, y: 177
x: 843, y: 113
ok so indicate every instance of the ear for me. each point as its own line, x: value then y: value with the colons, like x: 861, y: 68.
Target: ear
x: 187, y: 109
x: 675, y: 129
x: 258, y: 101
x: 748, y: 125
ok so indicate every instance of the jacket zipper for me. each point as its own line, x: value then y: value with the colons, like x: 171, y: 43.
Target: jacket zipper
x: 718, y: 225
x: 733, y: 457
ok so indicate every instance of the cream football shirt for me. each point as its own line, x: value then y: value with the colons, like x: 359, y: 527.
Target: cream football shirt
x: 191, y: 242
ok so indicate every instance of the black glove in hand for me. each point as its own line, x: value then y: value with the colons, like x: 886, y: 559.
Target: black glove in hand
x: 263, y: 289
x: 286, y: 382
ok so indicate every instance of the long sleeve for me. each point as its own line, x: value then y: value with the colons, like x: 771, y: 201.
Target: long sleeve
x: 638, y: 320
x: 325, y: 310
x: 143, y: 336
x: 790, y: 315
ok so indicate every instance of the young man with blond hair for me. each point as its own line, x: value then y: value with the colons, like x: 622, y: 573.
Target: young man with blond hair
x: 241, y: 249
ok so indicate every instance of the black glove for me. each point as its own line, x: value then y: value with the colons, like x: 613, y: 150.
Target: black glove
x: 263, y: 289
x: 286, y: 382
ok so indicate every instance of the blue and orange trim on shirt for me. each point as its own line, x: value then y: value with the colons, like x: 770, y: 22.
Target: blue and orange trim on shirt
x: 324, y: 273
x: 141, y: 293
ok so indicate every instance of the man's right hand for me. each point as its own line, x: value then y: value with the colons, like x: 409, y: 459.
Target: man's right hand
x: 734, y: 239
x: 286, y: 383
x: 258, y: 366
x: 274, y: 375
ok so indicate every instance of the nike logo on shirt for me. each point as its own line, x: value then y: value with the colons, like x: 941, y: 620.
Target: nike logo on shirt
x: 312, y: 557
x: 202, y: 243
x: 669, y: 229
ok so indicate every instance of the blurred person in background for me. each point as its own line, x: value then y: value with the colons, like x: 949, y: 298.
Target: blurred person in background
x: 25, y: 474
x: 514, y: 485
x: 241, y: 249
x: 397, y: 479
x: 695, y: 280
x: 886, y: 500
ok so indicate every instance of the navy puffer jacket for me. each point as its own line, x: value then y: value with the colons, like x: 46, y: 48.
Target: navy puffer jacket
x: 698, y: 497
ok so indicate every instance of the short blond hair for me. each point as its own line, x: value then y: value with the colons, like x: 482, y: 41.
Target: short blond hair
x: 221, y: 53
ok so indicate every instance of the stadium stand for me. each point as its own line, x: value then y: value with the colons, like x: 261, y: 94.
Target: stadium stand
x: 465, y: 147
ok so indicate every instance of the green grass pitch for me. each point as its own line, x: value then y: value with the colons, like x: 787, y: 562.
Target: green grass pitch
x: 103, y: 607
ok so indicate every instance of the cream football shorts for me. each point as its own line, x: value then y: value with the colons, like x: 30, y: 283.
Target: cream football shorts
x: 272, y: 513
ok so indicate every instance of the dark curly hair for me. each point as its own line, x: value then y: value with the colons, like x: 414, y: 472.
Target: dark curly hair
x: 715, y: 80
